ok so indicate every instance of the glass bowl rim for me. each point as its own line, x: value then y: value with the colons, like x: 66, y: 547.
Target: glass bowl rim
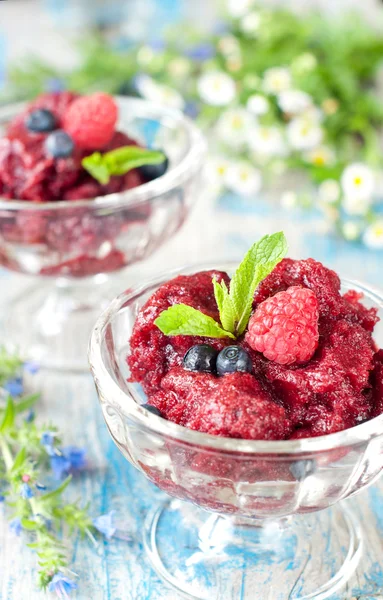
x: 174, y: 176
x: 157, y: 425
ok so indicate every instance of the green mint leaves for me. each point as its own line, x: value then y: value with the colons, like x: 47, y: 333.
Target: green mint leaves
x: 181, y: 319
x: 118, y: 162
x: 259, y: 262
x: 234, y: 304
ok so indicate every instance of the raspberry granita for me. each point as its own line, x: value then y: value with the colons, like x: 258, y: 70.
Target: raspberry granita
x: 305, y: 365
x: 42, y: 159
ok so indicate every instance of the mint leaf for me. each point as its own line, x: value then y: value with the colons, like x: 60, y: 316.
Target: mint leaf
x: 181, y: 319
x: 96, y: 167
x: 119, y: 161
x: 259, y: 261
x: 225, y: 305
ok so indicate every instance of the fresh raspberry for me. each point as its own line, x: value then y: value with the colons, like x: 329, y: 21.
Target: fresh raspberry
x: 91, y: 121
x: 285, y: 327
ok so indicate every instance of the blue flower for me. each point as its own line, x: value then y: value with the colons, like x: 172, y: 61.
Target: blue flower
x: 60, y: 465
x: 30, y: 416
x: 157, y: 45
x: 26, y: 491
x: 15, y: 526
x: 76, y: 457
x: 47, y: 440
x: 104, y: 524
x: 2, y: 498
x: 31, y: 367
x: 191, y: 109
x: 201, y: 52
x: 61, y: 585
x: 67, y: 460
x: 14, y: 387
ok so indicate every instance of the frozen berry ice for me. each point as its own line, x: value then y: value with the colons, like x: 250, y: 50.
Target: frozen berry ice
x: 315, y: 368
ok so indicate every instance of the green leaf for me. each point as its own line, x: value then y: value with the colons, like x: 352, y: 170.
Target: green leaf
x: 181, y: 319
x: 19, y: 460
x: 57, y: 492
x: 26, y: 403
x: 219, y: 295
x: 259, y: 261
x: 96, y: 167
x: 30, y: 525
x: 225, y: 305
x: 120, y: 161
x: 9, y: 416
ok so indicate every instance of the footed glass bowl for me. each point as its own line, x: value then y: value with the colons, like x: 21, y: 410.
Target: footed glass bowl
x: 72, y: 246
x: 258, y: 527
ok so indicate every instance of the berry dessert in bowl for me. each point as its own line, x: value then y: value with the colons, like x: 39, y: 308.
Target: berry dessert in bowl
x: 88, y: 186
x: 255, y: 393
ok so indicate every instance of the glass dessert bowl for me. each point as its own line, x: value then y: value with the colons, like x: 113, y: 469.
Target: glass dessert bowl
x: 74, y: 246
x: 264, y: 515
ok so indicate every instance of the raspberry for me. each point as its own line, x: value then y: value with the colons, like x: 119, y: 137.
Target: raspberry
x: 91, y: 120
x: 285, y: 327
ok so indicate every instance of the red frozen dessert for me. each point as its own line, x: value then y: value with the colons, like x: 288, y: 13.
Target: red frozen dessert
x: 42, y: 160
x: 304, y: 365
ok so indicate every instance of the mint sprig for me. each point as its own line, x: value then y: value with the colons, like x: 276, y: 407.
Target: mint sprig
x: 118, y: 162
x: 181, y: 319
x: 234, y: 304
x: 258, y: 262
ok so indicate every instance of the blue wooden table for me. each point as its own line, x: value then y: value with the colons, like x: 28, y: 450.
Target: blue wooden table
x: 119, y: 570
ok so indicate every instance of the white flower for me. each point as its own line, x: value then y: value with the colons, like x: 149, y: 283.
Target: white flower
x: 216, y: 88
x: 251, y: 23
x: 267, y: 141
x: 233, y: 126
x: 373, y: 236
x: 229, y: 45
x: 351, y: 230
x: 145, y: 56
x: 358, y: 181
x: 303, y: 134
x: 323, y: 155
x: 294, y: 102
x: 356, y: 205
x: 257, y: 105
x: 217, y: 167
x: 304, y: 62
x: 313, y: 114
x: 239, y: 8
x: 329, y: 191
x: 159, y: 93
x: 289, y: 200
x: 243, y: 179
x: 179, y: 67
x: 276, y: 80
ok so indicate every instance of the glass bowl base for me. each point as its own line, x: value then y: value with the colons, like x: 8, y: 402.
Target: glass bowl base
x: 206, y: 556
x: 50, y: 323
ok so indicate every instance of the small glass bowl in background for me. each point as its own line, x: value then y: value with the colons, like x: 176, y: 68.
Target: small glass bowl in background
x: 72, y: 246
x: 259, y: 521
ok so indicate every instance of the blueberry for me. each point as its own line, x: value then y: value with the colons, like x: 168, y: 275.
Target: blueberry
x: 150, y: 172
x: 152, y: 409
x: 201, y: 357
x: 41, y: 120
x: 232, y: 359
x: 59, y: 144
x: 301, y: 469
